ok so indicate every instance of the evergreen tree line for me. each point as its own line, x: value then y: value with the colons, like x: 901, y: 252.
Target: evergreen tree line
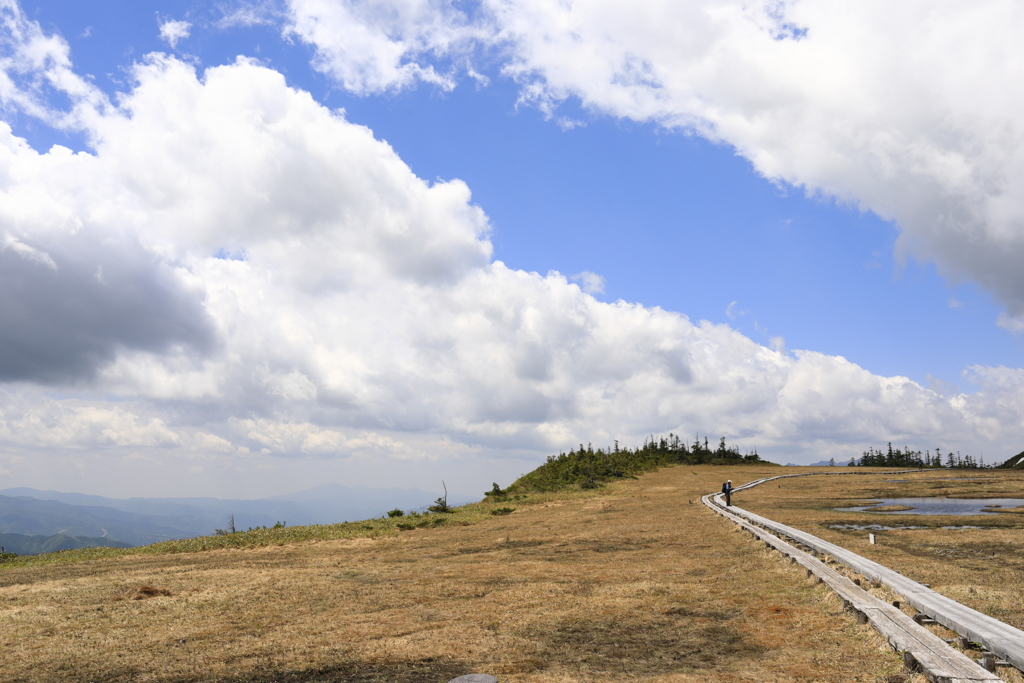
x: 894, y: 457
x: 588, y: 468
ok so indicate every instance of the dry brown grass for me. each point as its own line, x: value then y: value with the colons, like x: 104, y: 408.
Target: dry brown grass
x: 982, y: 568
x: 632, y: 583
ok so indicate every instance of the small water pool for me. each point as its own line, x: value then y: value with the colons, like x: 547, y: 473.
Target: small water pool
x: 882, y: 527
x: 941, y: 506
x: 904, y: 481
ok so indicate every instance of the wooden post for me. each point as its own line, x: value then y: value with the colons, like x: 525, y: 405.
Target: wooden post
x: 988, y: 661
x: 871, y: 539
x: 862, y: 618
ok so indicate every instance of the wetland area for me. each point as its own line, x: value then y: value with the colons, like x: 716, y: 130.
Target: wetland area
x: 938, y: 505
x: 953, y: 538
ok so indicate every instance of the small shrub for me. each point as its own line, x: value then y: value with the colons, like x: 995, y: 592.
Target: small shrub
x: 496, y: 493
x: 229, y: 530
x: 440, y: 505
x: 503, y: 511
x: 395, y: 513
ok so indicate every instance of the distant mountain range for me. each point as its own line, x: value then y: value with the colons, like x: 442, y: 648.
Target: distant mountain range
x: 140, y: 521
x: 19, y: 544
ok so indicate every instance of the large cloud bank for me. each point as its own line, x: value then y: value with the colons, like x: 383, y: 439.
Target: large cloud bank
x: 908, y: 110
x: 237, y: 272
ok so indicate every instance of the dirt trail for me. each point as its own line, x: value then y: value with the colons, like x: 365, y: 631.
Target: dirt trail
x: 632, y: 584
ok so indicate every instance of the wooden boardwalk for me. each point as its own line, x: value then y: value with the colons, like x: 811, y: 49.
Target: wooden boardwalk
x: 998, y: 637
x: 920, y: 647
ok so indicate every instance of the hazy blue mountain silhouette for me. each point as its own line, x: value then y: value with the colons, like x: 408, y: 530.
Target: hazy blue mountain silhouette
x: 139, y: 521
x: 20, y: 544
x: 33, y: 517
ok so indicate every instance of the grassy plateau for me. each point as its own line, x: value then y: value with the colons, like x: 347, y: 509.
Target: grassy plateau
x: 633, y: 581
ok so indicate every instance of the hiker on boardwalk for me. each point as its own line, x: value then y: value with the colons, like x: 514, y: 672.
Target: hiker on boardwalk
x: 727, y: 490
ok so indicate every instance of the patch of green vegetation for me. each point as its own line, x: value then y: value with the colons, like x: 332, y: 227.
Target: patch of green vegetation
x: 587, y: 468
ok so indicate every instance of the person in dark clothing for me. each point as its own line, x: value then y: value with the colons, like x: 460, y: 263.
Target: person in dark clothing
x: 727, y: 490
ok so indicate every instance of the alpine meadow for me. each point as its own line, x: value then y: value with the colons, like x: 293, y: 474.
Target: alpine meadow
x: 510, y: 341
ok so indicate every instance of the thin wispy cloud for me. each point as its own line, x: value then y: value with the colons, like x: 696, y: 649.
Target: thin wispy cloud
x: 591, y: 283
x: 1011, y: 323
x: 247, y: 14
x: 172, y: 31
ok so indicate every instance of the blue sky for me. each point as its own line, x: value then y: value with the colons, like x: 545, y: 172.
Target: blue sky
x: 772, y: 230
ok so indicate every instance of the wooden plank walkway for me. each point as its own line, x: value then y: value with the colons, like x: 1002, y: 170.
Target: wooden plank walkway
x: 921, y: 649
x: 998, y: 637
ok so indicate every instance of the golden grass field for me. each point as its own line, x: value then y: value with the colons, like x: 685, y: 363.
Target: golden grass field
x: 634, y: 582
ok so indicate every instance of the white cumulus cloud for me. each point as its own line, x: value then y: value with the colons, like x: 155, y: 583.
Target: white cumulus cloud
x: 361, y: 315
x: 909, y: 111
